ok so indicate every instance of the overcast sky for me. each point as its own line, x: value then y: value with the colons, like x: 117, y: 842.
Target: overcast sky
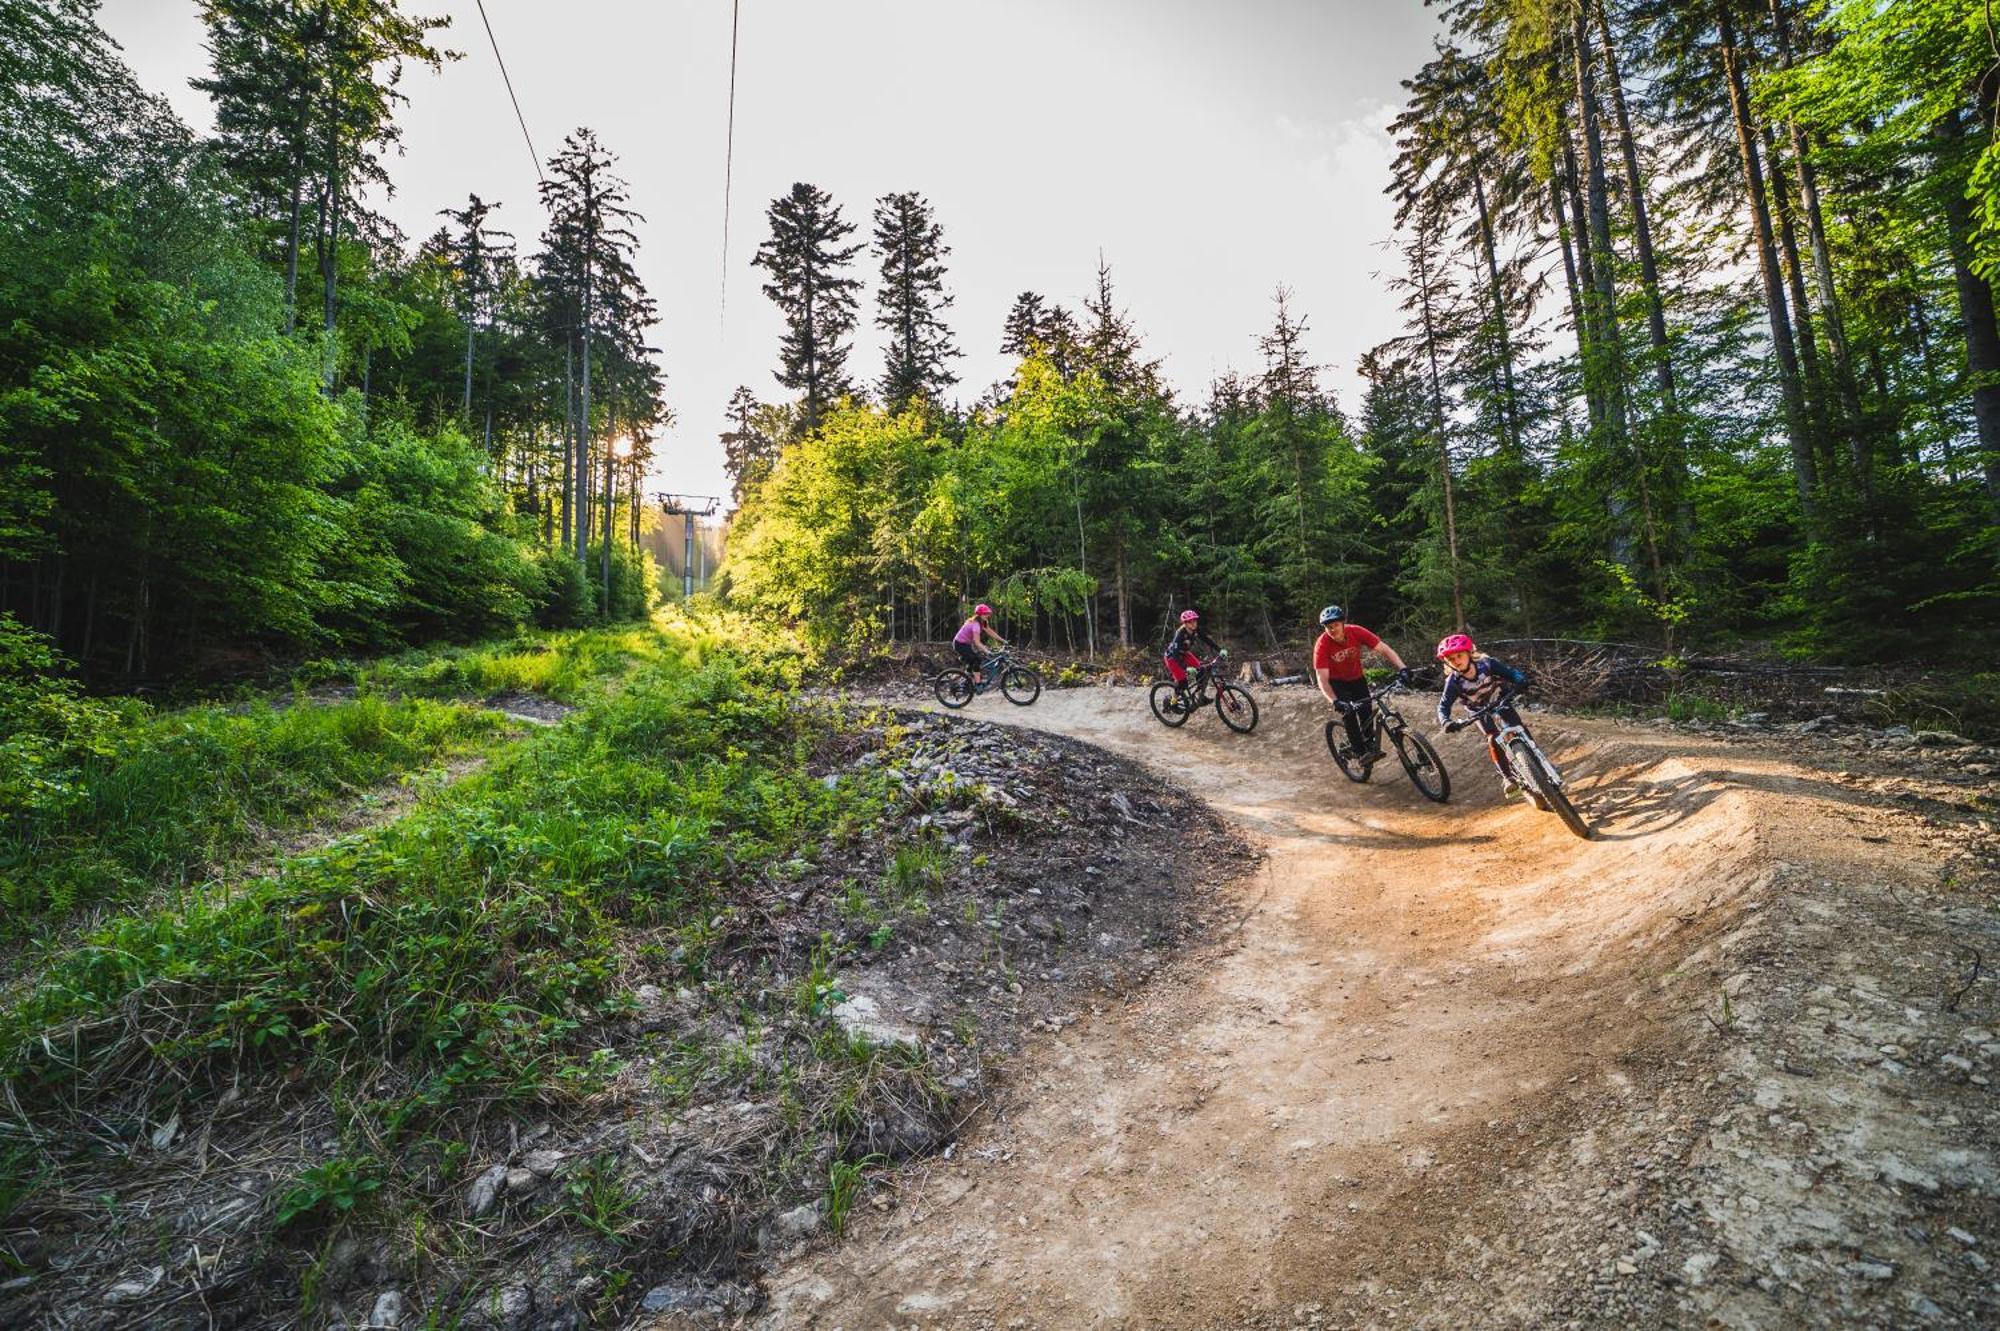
x: 1212, y: 149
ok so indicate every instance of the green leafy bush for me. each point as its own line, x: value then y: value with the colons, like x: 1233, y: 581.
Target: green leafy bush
x: 47, y: 730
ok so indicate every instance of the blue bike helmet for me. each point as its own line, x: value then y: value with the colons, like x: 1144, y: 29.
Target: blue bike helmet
x: 1331, y: 615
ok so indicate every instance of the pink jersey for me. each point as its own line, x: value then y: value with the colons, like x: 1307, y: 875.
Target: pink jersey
x: 968, y: 632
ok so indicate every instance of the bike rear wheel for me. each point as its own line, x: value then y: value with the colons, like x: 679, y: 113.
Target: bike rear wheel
x: 1350, y: 765
x: 1528, y: 765
x: 1237, y: 708
x: 1167, y: 705
x: 1426, y: 769
x: 954, y: 688
x: 1021, y: 685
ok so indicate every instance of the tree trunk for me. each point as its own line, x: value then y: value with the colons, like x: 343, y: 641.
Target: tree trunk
x: 470, y: 332
x: 1642, y: 227
x: 1975, y: 304
x: 1509, y: 402
x: 1604, y: 281
x: 1859, y: 451
x: 1786, y: 225
x: 583, y: 456
x: 329, y: 252
x: 1124, y: 601
x: 1804, y: 472
x: 292, y: 249
x: 1443, y: 439
x: 610, y: 522
x: 1559, y: 210
x: 569, y: 445
x: 1583, y: 304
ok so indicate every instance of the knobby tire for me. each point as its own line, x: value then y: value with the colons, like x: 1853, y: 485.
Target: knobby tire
x: 1350, y: 767
x: 1021, y: 685
x: 1237, y: 708
x: 954, y: 688
x: 1426, y: 769
x: 1167, y: 707
x: 1538, y: 776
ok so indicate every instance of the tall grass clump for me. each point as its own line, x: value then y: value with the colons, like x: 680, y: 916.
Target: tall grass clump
x: 156, y: 799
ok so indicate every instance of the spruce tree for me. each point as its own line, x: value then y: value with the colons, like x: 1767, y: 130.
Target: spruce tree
x: 588, y: 246
x: 749, y: 450
x: 808, y: 263
x: 1036, y: 322
x: 477, y: 255
x: 912, y: 249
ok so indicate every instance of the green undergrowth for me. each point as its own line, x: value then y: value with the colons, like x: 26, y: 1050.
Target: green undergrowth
x: 568, y: 667
x: 156, y: 799
x: 469, y: 954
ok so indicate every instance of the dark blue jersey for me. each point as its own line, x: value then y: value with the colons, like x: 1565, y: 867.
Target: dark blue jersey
x: 1185, y: 638
x: 1489, y: 677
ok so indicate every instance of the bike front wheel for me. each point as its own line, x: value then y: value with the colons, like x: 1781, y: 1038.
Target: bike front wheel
x: 1168, y: 705
x: 1537, y: 773
x: 1237, y: 708
x: 1426, y: 769
x: 1350, y: 764
x: 1021, y: 685
x: 954, y: 688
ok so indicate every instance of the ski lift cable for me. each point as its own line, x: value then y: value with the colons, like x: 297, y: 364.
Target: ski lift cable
x: 507, y: 79
x: 728, y: 162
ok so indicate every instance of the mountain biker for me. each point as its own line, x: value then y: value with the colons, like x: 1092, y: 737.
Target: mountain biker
x: 1337, y: 671
x: 1181, y: 657
x: 969, y: 641
x: 1477, y: 680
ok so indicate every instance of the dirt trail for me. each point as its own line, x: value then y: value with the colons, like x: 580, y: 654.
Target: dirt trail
x: 1325, y: 1106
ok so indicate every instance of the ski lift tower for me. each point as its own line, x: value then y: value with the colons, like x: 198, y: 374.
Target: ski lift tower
x: 688, y: 508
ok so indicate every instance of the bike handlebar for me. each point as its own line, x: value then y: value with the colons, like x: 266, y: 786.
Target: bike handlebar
x: 1374, y: 697
x: 1505, y: 699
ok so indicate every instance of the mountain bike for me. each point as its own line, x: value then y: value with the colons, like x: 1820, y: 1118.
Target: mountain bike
x: 958, y: 686
x: 1420, y: 760
x: 1532, y: 768
x: 1233, y: 703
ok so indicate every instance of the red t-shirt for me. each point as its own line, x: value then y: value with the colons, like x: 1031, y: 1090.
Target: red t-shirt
x: 1343, y: 660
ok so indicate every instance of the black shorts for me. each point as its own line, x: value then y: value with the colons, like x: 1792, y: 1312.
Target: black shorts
x: 968, y: 654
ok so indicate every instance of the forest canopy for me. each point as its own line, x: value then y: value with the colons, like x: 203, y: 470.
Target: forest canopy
x: 240, y: 413
x: 1699, y: 350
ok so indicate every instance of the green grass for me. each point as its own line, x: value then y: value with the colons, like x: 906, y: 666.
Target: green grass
x: 476, y: 959
x: 570, y: 667
x: 470, y: 943
x: 173, y: 793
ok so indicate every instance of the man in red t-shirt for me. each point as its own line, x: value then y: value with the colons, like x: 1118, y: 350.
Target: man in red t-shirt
x: 1337, y: 670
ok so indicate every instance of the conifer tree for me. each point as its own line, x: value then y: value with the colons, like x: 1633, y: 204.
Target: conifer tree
x: 911, y: 246
x: 477, y: 255
x: 808, y: 263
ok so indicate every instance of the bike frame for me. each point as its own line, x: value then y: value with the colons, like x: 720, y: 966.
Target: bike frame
x: 990, y: 670
x: 1386, y: 720
x: 1510, y: 732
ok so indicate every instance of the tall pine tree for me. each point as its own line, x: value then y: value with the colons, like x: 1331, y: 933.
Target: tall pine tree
x: 808, y: 263
x: 908, y: 304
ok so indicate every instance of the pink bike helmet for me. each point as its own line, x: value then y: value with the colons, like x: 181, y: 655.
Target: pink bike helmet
x: 1190, y: 616
x: 983, y: 609
x: 1456, y: 642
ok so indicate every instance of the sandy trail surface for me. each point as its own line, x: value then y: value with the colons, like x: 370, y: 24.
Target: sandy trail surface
x: 1364, y: 1103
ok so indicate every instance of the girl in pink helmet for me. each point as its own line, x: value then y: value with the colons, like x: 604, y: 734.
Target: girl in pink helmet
x: 969, y: 641
x: 1181, y: 656
x: 1476, y: 679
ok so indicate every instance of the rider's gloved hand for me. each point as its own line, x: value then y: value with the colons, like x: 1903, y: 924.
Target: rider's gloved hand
x: 1403, y: 676
x: 1454, y: 726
